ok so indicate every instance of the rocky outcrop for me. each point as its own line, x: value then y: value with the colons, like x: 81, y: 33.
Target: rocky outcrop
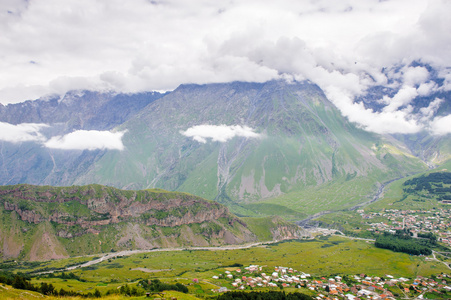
x: 29, y: 216
x: 288, y: 232
x: 96, y: 218
x: 110, y: 206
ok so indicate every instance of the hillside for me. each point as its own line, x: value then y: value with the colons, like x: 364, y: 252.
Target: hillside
x: 304, y: 144
x: 42, y: 222
x: 260, y: 148
x: 29, y: 162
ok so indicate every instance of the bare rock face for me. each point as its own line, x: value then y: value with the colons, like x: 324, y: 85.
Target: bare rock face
x: 288, y: 232
x: 26, y: 215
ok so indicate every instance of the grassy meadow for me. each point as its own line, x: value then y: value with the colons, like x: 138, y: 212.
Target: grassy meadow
x: 323, y: 256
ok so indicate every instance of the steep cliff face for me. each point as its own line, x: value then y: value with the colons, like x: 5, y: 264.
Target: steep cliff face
x: 102, y: 206
x: 92, y: 219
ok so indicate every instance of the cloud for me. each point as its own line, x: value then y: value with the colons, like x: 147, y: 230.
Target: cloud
x: 415, y: 76
x: 441, y: 125
x: 379, y: 122
x: 344, y: 46
x: 87, y: 140
x: 404, y: 96
x: 26, y: 132
x: 77, y: 140
x: 429, y: 111
x: 219, y: 133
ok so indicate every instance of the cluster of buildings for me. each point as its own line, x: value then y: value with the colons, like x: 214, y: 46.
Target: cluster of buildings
x: 351, y: 287
x: 284, y: 277
x: 437, y: 221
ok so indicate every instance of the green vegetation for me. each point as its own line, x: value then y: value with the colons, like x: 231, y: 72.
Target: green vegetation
x: 22, y: 282
x: 156, y: 285
x: 272, y: 209
x: 191, y: 271
x: 433, y: 185
x: 85, y: 220
x: 402, y: 242
x: 409, y: 193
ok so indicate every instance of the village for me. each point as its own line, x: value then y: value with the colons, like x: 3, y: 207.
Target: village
x: 360, y: 286
x: 436, y: 221
x: 357, y: 286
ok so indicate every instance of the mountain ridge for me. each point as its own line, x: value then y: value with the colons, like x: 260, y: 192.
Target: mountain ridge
x: 301, y: 144
x: 91, y: 219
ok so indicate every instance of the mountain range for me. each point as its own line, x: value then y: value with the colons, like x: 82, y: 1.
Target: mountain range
x: 260, y: 148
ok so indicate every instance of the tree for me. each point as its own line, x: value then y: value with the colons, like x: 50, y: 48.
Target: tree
x: 97, y: 294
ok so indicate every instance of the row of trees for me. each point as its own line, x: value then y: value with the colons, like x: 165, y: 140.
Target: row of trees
x: 156, y: 285
x: 22, y: 281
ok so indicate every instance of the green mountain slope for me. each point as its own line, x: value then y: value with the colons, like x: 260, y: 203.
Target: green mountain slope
x: 435, y: 150
x: 307, y: 146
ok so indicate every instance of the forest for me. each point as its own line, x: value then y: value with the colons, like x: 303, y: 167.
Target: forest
x: 401, y: 241
x: 437, y: 184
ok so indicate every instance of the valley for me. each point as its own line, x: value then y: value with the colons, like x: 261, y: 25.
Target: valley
x: 218, y: 150
x: 204, y: 271
x: 310, y: 265
x: 212, y: 178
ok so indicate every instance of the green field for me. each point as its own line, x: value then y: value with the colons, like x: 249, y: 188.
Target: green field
x: 324, y: 256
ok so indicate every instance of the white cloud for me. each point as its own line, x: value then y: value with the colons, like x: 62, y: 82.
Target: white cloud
x: 381, y: 122
x: 427, y: 88
x: 87, y: 140
x: 404, y: 96
x: 77, y: 140
x: 220, y: 133
x: 25, y: 132
x: 51, y: 46
x: 414, y: 76
x: 441, y: 125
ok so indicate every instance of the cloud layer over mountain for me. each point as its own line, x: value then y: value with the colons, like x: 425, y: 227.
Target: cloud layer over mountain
x: 344, y: 46
x: 77, y: 140
x: 219, y: 133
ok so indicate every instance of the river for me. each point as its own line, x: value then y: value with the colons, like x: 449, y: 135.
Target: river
x: 305, y: 223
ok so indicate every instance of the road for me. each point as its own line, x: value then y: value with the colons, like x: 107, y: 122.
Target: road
x: 110, y: 255
x: 436, y: 259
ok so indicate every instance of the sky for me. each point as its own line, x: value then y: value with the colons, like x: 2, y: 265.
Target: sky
x: 344, y: 46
